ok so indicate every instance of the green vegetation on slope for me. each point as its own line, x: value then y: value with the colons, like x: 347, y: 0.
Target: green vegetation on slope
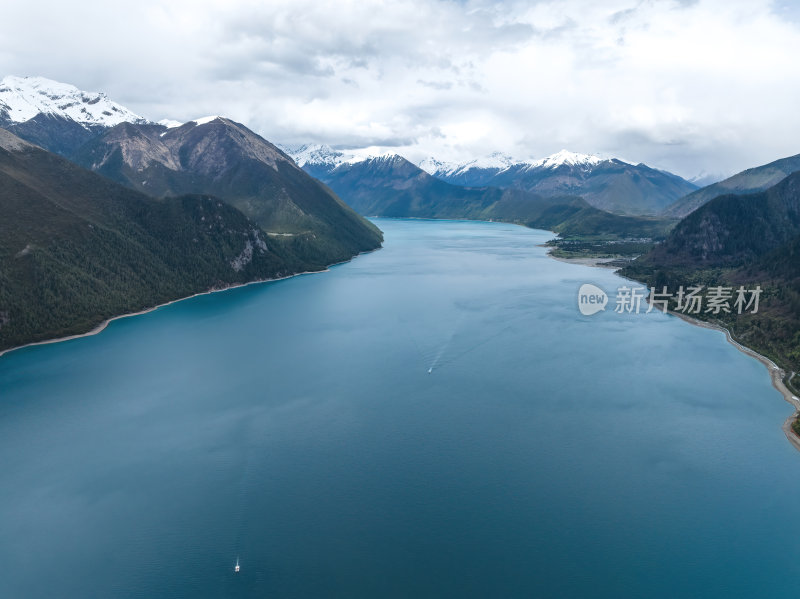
x: 735, y: 241
x: 76, y: 248
x: 225, y: 159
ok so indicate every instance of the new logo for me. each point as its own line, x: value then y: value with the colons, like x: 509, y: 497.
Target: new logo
x: 591, y: 299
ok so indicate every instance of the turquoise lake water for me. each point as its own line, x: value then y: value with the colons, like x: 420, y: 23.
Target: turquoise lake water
x: 295, y: 425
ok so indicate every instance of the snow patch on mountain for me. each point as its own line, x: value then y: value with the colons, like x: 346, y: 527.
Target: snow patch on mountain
x: 499, y: 162
x: 432, y: 165
x: 316, y: 154
x: 22, y: 98
x: 495, y: 160
x: 565, y: 157
x: 322, y: 155
x: 169, y: 123
x: 204, y: 120
x: 704, y: 178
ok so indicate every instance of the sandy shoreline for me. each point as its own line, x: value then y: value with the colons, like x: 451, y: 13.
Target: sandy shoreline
x: 776, y: 373
x: 102, y: 326
x: 597, y: 262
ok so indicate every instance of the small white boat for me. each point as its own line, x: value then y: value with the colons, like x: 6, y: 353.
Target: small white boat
x: 236, y: 567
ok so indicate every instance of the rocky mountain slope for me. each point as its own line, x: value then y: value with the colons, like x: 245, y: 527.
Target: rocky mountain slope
x: 217, y: 156
x: 608, y: 184
x: 76, y: 248
x: 212, y: 156
x: 751, y: 180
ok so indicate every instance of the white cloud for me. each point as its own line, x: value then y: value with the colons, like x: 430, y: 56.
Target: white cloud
x: 697, y: 86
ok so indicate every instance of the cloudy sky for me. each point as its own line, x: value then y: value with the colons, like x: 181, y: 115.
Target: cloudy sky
x: 706, y: 86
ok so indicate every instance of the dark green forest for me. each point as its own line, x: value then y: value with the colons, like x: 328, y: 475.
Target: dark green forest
x: 77, y: 248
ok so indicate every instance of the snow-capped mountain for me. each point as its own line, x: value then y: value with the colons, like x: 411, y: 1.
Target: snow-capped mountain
x: 496, y: 161
x: 566, y: 158
x: 481, y: 171
x: 170, y: 123
x: 57, y: 116
x: 389, y: 185
x: 23, y: 98
x: 606, y: 183
x: 314, y: 154
x: 322, y: 155
x: 319, y: 160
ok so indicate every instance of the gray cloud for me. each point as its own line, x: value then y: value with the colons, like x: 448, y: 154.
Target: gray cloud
x: 690, y: 86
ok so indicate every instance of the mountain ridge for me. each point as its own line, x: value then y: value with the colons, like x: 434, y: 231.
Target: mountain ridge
x: 607, y: 184
x: 77, y: 248
x: 497, y: 162
x: 22, y: 98
x: 751, y: 180
x: 59, y: 117
x: 225, y: 159
x: 392, y: 186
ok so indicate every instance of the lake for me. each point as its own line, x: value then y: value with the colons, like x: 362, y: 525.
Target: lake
x: 434, y: 419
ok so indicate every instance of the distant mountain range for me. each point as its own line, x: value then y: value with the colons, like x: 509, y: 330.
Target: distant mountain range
x: 484, y: 170
x: 607, y: 184
x: 751, y: 180
x: 476, y: 172
x: 392, y: 186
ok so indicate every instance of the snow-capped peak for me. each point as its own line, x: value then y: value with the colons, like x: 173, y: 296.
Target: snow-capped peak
x: 431, y: 165
x: 169, y: 123
x: 316, y: 154
x: 22, y: 98
x: 322, y: 155
x: 495, y: 160
x: 205, y: 119
x: 499, y: 162
x: 565, y: 157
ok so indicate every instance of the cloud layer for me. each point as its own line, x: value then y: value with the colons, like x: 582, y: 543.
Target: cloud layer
x: 705, y: 86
